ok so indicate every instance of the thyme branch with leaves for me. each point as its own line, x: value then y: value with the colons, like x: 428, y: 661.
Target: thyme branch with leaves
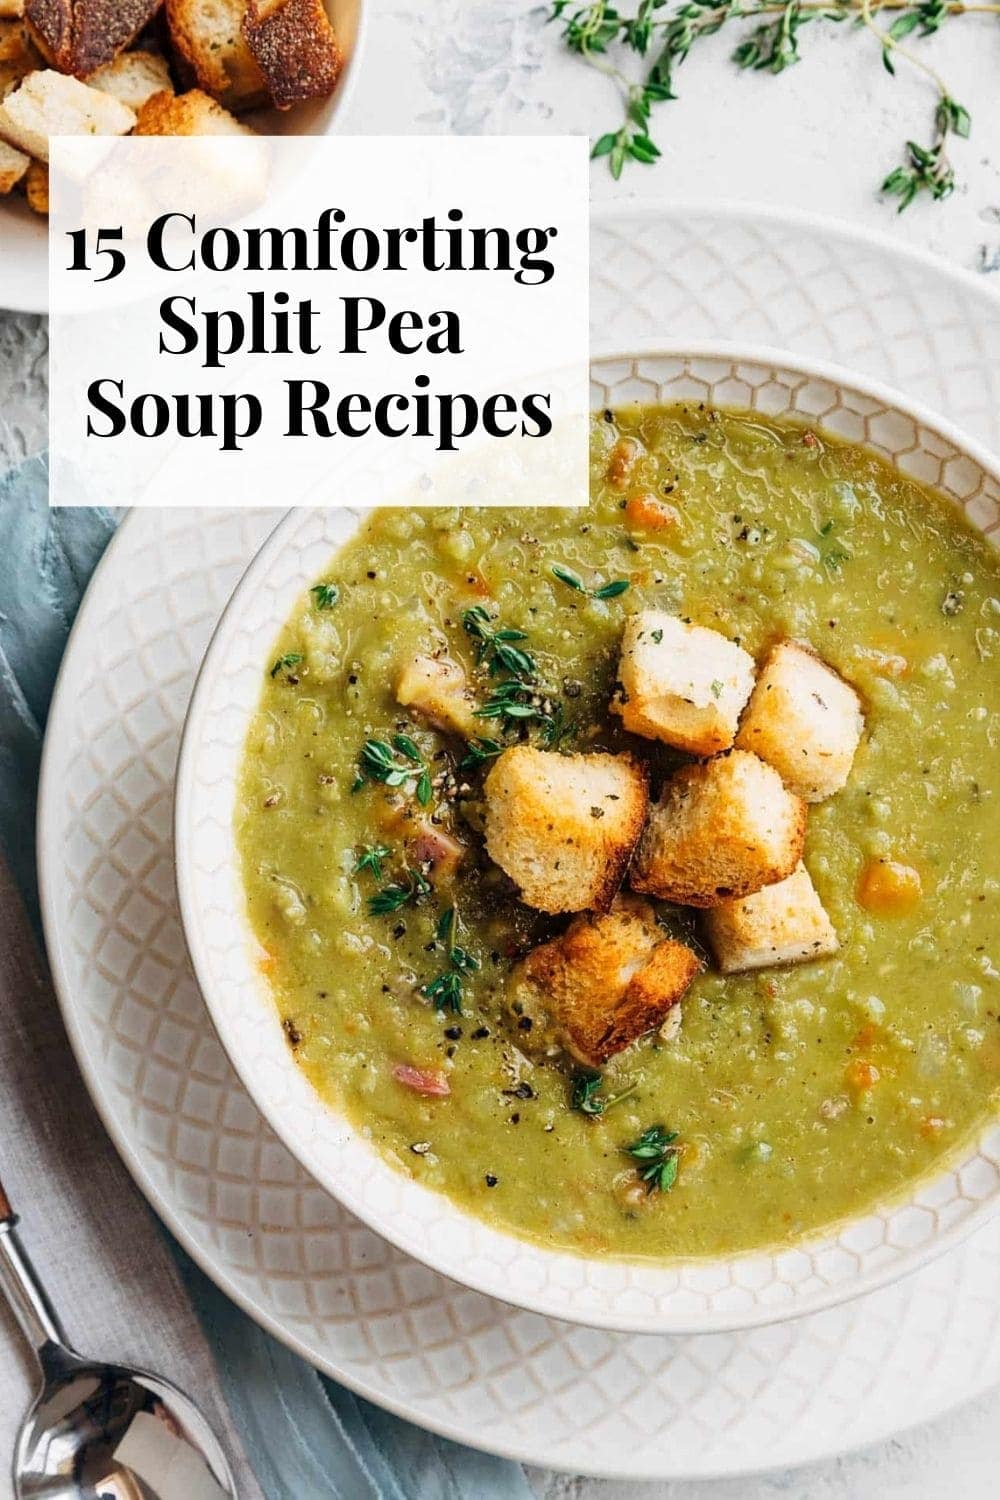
x: 661, y: 33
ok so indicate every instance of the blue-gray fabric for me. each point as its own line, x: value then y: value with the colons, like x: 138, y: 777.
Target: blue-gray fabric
x: 305, y: 1436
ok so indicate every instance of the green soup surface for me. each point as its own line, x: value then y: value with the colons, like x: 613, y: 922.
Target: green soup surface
x: 799, y: 1096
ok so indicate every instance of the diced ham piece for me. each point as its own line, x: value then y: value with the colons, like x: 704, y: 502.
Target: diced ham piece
x: 433, y: 846
x: 429, y: 1081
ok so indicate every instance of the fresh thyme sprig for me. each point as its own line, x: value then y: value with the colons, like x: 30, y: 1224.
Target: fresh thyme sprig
x: 586, y: 1094
x: 371, y: 858
x: 445, y: 990
x: 479, y: 752
x: 573, y: 580
x: 399, y: 893
x: 657, y: 1156
x: 666, y: 31
x: 495, y: 647
x: 378, y: 763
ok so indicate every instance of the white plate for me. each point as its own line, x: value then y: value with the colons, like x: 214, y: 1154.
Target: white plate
x: 452, y: 1360
x: 24, y: 269
x: 694, y: 1296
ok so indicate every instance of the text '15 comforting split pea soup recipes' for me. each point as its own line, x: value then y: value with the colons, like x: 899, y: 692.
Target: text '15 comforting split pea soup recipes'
x: 629, y: 873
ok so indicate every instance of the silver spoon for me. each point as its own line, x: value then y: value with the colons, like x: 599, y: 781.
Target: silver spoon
x: 96, y: 1431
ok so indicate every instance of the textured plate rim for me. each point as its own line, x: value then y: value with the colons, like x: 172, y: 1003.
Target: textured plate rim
x: 100, y: 1090
x: 559, y: 1305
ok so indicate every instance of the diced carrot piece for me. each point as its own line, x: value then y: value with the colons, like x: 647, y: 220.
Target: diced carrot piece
x: 650, y: 513
x: 889, y: 888
x: 860, y: 1075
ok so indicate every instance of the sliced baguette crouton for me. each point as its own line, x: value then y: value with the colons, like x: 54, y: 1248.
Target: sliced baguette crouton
x: 47, y: 103
x: 608, y: 980
x: 436, y: 687
x: 781, y: 924
x: 563, y: 827
x: 79, y: 36
x: 804, y: 720
x: 36, y: 187
x: 212, y: 52
x: 294, y: 46
x: 14, y: 165
x: 193, y: 113
x: 681, y: 683
x: 133, y: 78
x: 723, y: 828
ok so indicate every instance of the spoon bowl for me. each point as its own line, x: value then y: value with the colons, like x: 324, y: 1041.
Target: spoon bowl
x: 101, y: 1431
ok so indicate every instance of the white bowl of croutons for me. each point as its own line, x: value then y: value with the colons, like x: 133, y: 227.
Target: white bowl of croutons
x: 598, y: 903
x: 157, y: 67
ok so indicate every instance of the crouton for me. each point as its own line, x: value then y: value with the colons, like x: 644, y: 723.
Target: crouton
x: 46, y: 104
x: 79, y: 36
x: 781, y: 924
x: 14, y: 42
x: 12, y: 10
x: 436, y: 687
x: 294, y: 46
x: 608, y: 980
x: 193, y: 113
x: 681, y: 683
x: 212, y: 52
x: 721, y: 829
x: 133, y: 78
x: 36, y: 187
x: 563, y: 827
x: 804, y: 720
x: 13, y: 166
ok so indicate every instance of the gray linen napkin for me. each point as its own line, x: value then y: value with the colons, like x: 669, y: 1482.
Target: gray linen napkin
x: 96, y: 1245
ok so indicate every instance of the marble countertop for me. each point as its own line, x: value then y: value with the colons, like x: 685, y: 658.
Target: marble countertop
x: 818, y: 137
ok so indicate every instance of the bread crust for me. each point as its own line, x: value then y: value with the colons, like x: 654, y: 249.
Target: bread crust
x: 79, y: 36
x: 293, y: 44
x: 608, y: 980
x: 224, y: 68
x: 780, y: 925
x: 186, y: 114
x: 723, y: 828
x: 563, y: 827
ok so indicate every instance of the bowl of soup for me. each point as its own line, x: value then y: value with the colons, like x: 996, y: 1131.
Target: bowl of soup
x: 600, y: 902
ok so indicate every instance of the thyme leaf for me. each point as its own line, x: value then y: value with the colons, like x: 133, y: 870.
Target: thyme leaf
x: 574, y: 581
x: 657, y: 1158
x: 658, y: 36
x: 325, y: 594
x: 371, y: 858
x: 496, y: 647
x: 286, y: 662
x: 586, y: 1095
x: 377, y: 762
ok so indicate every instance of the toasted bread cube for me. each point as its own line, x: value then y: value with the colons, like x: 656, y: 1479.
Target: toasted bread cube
x: 781, y: 924
x: 436, y: 687
x: 293, y: 44
x: 15, y: 44
x: 36, y: 187
x: 723, y: 828
x: 79, y: 36
x: 681, y: 683
x: 608, y: 980
x: 132, y: 78
x: 563, y: 827
x: 804, y: 720
x: 12, y: 10
x: 193, y: 113
x: 45, y: 104
x: 212, y: 51
x: 13, y: 166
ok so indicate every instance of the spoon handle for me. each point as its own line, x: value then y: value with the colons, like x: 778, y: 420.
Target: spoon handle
x: 21, y: 1287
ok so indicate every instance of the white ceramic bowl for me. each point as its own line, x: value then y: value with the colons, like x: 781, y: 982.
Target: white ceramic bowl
x: 24, y: 279
x: 673, y: 1297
